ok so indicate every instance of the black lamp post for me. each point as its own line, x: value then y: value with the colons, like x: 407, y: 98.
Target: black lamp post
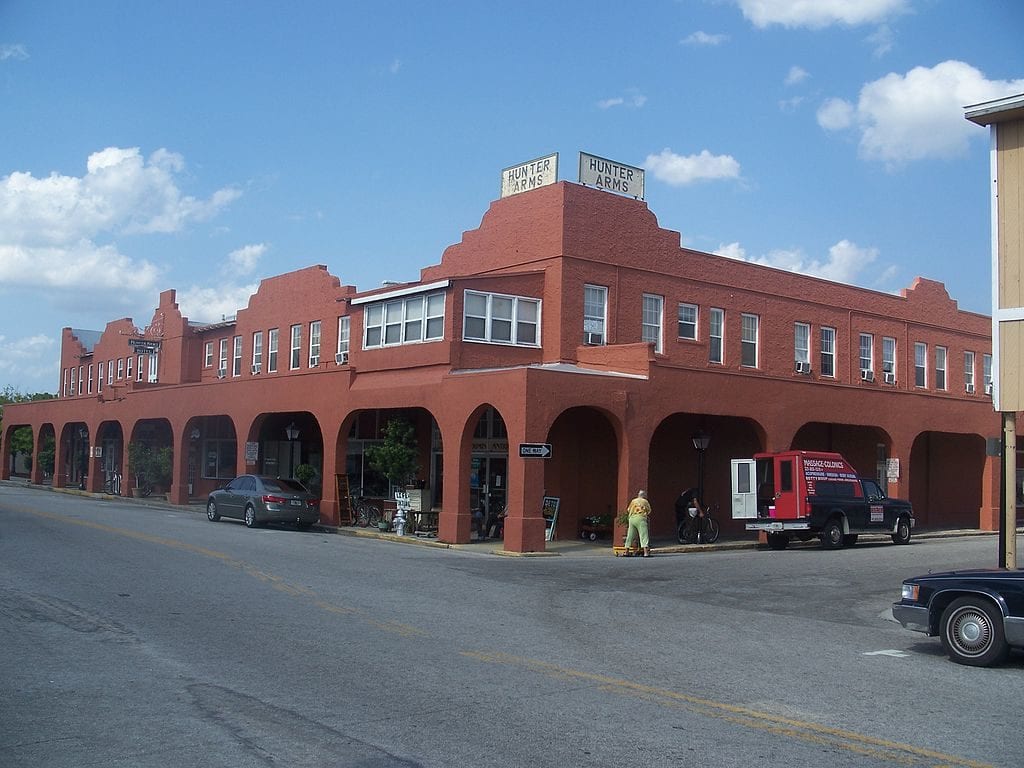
x: 292, y: 431
x: 701, y: 441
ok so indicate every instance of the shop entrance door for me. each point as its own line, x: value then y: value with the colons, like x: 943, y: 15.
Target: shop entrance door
x: 488, y: 480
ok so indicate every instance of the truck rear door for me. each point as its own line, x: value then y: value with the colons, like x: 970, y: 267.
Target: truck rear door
x: 744, y: 490
x: 787, y: 490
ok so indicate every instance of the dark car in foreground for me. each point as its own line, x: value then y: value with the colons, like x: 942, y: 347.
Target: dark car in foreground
x: 259, y: 499
x: 977, y: 614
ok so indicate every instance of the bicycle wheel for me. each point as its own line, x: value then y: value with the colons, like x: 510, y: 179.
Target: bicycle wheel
x: 363, y: 515
x: 373, y: 515
x: 710, y: 532
x: 685, y: 533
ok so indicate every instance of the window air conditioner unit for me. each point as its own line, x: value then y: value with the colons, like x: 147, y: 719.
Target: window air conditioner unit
x: 341, y: 358
x: 256, y: 368
x: 866, y: 375
x: 988, y: 389
x: 314, y: 362
x: 222, y: 372
x: 593, y: 339
x: 889, y: 377
x: 802, y: 367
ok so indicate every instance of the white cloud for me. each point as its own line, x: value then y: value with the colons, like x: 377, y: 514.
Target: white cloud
x: 633, y: 98
x: 704, y: 38
x: 13, y: 51
x: 244, y: 259
x: 917, y: 115
x: 846, y: 262
x: 835, y: 115
x: 882, y: 39
x: 30, y: 358
x: 817, y: 14
x: 796, y: 75
x: 679, y: 170
x: 209, y: 305
x: 53, y: 229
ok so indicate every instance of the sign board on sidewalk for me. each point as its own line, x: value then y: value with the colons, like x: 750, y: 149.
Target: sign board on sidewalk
x: 549, y: 508
x: 535, y: 450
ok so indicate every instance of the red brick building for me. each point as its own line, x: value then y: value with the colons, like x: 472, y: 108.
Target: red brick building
x: 569, y: 318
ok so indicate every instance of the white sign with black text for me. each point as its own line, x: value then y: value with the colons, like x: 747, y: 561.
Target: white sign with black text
x: 615, y: 177
x: 529, y: 175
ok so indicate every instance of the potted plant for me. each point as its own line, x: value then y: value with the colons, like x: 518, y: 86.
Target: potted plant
x: 305, y: 473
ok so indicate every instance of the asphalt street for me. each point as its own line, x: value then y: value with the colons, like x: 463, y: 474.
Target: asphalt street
x: 139, y: 635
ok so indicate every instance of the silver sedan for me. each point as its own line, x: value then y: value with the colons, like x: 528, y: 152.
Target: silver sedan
x: 259, y: 499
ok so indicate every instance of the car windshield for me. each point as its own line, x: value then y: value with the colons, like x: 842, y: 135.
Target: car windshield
x: 282, y: 485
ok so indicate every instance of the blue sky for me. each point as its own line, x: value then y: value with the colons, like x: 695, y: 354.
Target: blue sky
x: 204, y: 145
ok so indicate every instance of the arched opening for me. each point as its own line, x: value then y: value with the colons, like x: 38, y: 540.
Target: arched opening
x: 865, y: 447
x: 946, y: 472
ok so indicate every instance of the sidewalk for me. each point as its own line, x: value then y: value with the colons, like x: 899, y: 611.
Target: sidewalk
x: 559, y: 547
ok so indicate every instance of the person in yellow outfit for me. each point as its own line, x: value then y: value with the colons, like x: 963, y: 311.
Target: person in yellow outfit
x: 639, y: 510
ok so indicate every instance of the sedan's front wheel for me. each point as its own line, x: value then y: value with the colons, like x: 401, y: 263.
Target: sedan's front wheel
x: 250, y: 516
x: 972, y: 633
x: 211, y: 511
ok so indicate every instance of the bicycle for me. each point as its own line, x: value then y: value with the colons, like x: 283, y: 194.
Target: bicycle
x: 112, y: 484
x: 700, y: 529
x: 364, y: 513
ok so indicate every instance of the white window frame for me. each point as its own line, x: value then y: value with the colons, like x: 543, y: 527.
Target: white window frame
x: 236, y: 356
x: 128, y: 367
x: 154, y: 367
x: 344, y: 334
x: 941, y: 363
x: 415, y: 319
x: 273, y: 336
x: 652, y: 320
x: 889, y: 355
x: 517, y: 322
x: 110, y: 371
x: 827, y: 338
x: 920, y: 364
x: 802, y: 343
x: 120, y: 368
x: 716, y: 333
x: 986, y: 372
x: 295, y: 357
x: 89, y: 390
x: 222, y: 359
x: 208, y: 355
x: 969, y: 365
x: 867, y: 354
x: 688, y: 316
x: 257, y: 350
x: 314, y: 344
x: 595, y: 314
x: 750, y: 336
x: 139, y: 368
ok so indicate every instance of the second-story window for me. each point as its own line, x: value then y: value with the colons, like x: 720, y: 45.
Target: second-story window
x: 802, y: 347
x: 940, y: 368
x: 969, y: 372
x: 236, y: 357
x: 128, y: 367
x: 120, y: 368
x: 272, y: 335
x: 749, y: 340
x: 889, y: 360
x: 500, y: 319
x: 986, y: 373
x: 867, y: 356
x: 920, y: 364
x: 154, y: 361
x: 344, y: 331
x: 296, y: 355
x: 716, y: 329
x: 208, y: 354
x: 651, y: 320
x: 595, y: 314
x: 110, y: 371
x: 89, y: 391
x: 140, y: 367
x: 408, y: 320
x: 222, y: 364
x: 828, y: 351
x: 314, y: 344
x: 257, y: 352
x: 688, y: 321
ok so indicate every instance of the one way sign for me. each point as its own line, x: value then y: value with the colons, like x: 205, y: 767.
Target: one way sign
x: 535, y: 450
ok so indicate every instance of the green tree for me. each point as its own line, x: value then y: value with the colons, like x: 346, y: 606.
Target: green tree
x: 9, y: 395
x: 21, y: 442
x: 395, y: 456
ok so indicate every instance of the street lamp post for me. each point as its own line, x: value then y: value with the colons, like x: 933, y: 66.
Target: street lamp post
x: 701, y: 441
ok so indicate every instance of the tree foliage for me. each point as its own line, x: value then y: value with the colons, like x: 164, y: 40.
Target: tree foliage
x: 8, y: 395
x: 395, y: 456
